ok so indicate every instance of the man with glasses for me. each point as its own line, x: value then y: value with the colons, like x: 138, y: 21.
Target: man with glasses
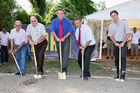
x: 36, y: 34
x: 86, y: 42
x: 18, y: 46
x: 61, y: 30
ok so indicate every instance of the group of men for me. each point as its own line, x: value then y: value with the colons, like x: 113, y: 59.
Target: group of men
x: 61, y: 29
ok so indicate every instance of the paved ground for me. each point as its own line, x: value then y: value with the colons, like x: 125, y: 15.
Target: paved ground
x: 73, y: 84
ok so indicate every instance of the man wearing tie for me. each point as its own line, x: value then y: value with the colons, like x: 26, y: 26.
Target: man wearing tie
x: 61, y: 30
x: 86, y: 42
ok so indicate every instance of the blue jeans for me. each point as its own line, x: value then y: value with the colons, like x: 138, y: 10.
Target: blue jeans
x: 29, y: 52
x: 4, y: 53
x: 21, y: 57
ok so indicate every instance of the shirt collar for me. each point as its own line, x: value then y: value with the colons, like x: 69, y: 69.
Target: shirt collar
x: 61, y: 20
x: 81, y: 27
x: 118, y: 22
x: 18, y: 31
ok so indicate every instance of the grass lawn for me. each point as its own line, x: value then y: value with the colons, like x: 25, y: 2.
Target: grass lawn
x: 52, y: 67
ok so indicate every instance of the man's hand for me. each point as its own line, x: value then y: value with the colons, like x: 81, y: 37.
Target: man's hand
x: 83, y: 51
x: 80, y: 47
x: 62, y: 39
x: 8, y: 46
x: 117, y: 44
x: 15, y: 51
x: 57, y: 39
x: 35, y: 43
x: 121, y: 45
x: 31, y: 43
x: 11, y: 51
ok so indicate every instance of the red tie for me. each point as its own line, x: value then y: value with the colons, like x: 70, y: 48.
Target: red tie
x: 79, y: 38
x: 60, y: 30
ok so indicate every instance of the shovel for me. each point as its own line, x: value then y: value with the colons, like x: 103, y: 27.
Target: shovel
x: 61, y: 75
x: 119, y: 63
x: 17, y: 64
x: 36, y: 76
x: 82, y: 66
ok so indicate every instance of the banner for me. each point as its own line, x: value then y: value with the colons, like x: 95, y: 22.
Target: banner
x: 51, y: 50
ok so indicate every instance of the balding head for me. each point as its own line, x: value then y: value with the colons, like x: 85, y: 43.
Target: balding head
x: 33, y: 20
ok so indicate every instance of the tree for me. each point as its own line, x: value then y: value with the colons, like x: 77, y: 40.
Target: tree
x: 52, y: 14
x: 22, y: 16
x: 49, y: 5
x: 70, y: 10
x: 39, y: 6
x: 7, y: 13
x: 100, y: 6
x: 85, y: 7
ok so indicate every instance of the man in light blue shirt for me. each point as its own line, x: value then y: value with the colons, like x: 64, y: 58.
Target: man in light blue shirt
x: 119, y: 33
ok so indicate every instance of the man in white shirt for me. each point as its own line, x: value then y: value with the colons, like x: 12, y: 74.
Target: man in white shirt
x: 36, y: 34
x: 86, y: 42
x: 134, y: 44
x: 19, y: 46
x: 4, y: 37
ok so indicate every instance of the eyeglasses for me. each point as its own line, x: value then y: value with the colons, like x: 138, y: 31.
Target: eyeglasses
x: 33, y: 21
x: 78, y: 22
x: 18, y: 25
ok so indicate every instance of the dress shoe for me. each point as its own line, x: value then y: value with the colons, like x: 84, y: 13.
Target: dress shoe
x: 85, y: 78
x: 107, y: 57
x: 131, y: 57
x: 23, y: 74
x: 17, y: 73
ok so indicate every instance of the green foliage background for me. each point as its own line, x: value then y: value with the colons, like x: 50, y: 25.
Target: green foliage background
x: 45, y: 10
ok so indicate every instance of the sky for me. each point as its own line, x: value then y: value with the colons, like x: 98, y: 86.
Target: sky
x: 109, y: 3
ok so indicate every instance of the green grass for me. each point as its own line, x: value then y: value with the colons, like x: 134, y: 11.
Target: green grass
x: 52, y: 67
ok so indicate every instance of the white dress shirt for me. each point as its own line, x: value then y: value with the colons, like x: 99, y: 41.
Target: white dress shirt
x: 18, y: 36
x: 4, y: 38
x: 86, y: 35
x: 135, y: 38
x: 36, y: 32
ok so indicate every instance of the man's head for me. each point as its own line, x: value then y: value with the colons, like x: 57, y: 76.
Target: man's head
x: 33, y: 21
x: 3, y: 29
x: 78, y: 22
x: 18, y: 24
x: 134, y: 29
x: 114, y: 14
x: 60, y: 14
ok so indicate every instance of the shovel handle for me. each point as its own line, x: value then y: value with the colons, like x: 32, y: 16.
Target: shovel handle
x: 35, y: 59
x: 119, y: 62
x: 17, y: 64
x: 82, y: 66
x: 60, y: 48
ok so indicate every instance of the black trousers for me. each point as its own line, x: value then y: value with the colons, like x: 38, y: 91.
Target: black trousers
x: 87, y: 58
x: 4, y: 53
x: 39, y: 51
x: 65, y: 48
x: 123, y: 57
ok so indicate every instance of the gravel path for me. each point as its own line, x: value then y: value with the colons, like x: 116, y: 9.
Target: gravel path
x: 73, y: 84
